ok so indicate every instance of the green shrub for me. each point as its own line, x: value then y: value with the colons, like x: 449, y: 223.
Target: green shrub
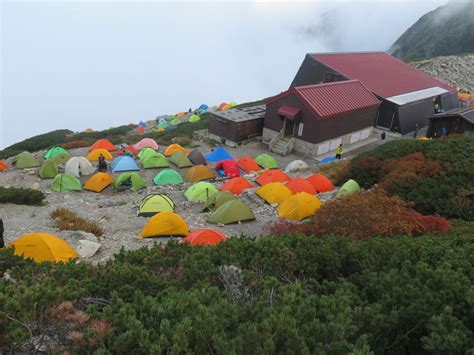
x: 20, y: 196
x: 287, y: 294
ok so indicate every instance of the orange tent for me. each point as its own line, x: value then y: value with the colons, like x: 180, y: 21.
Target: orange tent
x: 103, y: 144
x: 320, y: 183
x: 140, y: 129
x: 173, y: 148
x: 248, y: 164
x: 98, y: 182
x: 301, y: 185
x: 204, y: 237
x: 95, y: 154
x: 3, y: 165
x: 180, y: 114
x: 236, y: 185
x: 274, y: 175
x: 221, y: 106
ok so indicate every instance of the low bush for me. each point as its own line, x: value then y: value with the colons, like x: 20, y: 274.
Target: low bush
x: 434, y: 224
x: 76, y: 144
x: 287, y: 294
x: 20, y: 196
x: 338, y: 172
x: 65, y: 219
x: 362, y: 215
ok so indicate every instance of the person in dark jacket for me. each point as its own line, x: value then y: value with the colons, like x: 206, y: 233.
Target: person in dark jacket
x: 2, y: 241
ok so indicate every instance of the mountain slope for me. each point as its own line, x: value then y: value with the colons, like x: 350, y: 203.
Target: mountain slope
x: 447, y: 30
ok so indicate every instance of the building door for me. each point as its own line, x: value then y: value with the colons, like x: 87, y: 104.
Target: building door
x: 289, y: 128
x: 385, y: 116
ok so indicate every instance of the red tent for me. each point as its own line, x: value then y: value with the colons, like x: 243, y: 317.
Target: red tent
x: 204, y: 237
x: 248, y: 164
x: 321, y: 183
x: 230, y: 167
x: 103, y: 144
x: 301, y: 185
x: 272, y: 176
x: 236, y: 185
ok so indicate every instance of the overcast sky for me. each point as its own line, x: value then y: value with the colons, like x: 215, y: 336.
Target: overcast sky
x: 80, y: 64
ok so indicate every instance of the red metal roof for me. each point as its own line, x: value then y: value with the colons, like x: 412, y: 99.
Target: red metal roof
x: 331, y: 99
x: 383, y: 74
x: 288, y: 111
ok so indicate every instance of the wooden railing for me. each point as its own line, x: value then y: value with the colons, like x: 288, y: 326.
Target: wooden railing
x: 275, y: 139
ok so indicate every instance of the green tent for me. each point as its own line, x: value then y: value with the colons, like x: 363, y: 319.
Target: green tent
x: 65, y: 182
x: 171, y: 117
x: 145, y: 152
x: 200, y: 191
x: 129, y: 180
x: 266, y: 161
x: 55, y: 151
x: 155, y: 161
x: 180, y: 160
x: 61, y: 158
x: 215, y: 201
x: 231, y: 212
x: 153, y: 204
x: 162, y: 125
x: 168, y: 177
x: 175, y: 122
x: 349, y: 187
x: 49, y: 169
x: 25, y: 160
x: 232, y: 103
x: 194, y: 118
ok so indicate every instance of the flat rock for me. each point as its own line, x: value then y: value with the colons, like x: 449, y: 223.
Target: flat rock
x: 78, y: 235
x: 87, y: 249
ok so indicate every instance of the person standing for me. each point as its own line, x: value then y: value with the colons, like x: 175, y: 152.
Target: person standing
x: 415, y: 134
x: 339, y: 152
x: 2, y: 241
x: 382, y: 136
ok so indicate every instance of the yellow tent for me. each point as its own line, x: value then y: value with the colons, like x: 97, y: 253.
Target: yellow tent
x: 165, y: 224
x: 94, y: 155
x: 98, y: 182
x: 274, y: 192
x: 180, y: 114
x: 299, y: 206
x: 173, y: 148
x: 424, y: 139
x: 199, y: 173
x: 43, y: 247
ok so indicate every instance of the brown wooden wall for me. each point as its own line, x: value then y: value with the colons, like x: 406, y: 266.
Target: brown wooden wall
x: 235, y: 131
x: 318, y: 130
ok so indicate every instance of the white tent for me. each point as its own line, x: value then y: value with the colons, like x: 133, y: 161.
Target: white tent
x: 296, y: 165
x: 78, y: 166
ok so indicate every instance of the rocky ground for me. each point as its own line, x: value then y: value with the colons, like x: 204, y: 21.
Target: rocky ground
x: 455, y: 70
x: 116, y: 211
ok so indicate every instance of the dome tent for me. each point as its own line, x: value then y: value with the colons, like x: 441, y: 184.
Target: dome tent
x: 155, y: 203
x: 199, y: 173
x: 266, y: 161
x: 296, y: 165
x: 236, y: 185
x: 229, y: 167
x: 172, y: 148
x: 204, y: 237
x: 123, y: 163
x: 103, y: 144
x: 233, y: 211
x: 194, y: 118
x: 248, y: 164
x: 78, y: 166
x: 272, y: 176
x: 203, y: 107
x: 3, y: 165
x: 95, y: 154
x: 197, y: 158
x: 180, y: 160
x: 218, y: 199
x: 165, y: 224
x: 176, y: 122
x: 349, y: 187
x: 168, y: 177
x: 25, y: 160
x: 301, y: 185
x: 49, y: 169
x: 65, y: 183
x: 129, y: 180
x: 200, y: 191
x: 43, y: 247
x: 145, y: 152
x: 98, y: 182
x: 155, y: 161
x: 146, y: 142
x: 320, y: 183
x: 54, y: 152
x: 274, y: 192
x: 218, y: 155
x: 299, y: 207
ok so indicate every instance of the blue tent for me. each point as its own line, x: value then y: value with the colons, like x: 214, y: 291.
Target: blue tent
x: 217, y: 155
x: 327, y: 160
x: 142, y: 124
x: 124, y: 163
x: 168, y: 127
x: 203, y: 107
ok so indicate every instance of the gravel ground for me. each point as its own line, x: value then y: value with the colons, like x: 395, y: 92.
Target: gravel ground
x: 116, y: 211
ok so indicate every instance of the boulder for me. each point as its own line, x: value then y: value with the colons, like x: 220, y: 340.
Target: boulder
x: 87, y: 249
